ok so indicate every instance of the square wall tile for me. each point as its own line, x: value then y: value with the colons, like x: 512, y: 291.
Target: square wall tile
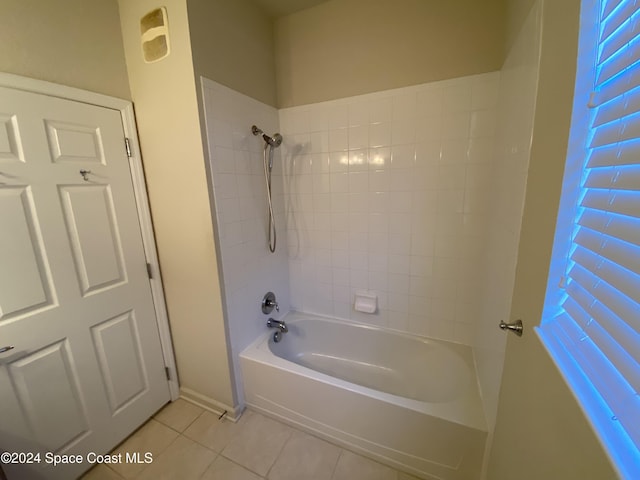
x: 457, y: 97
x: 430, y: 101
x: 358, y: 113
x: 359, y: 136
x: 380, y: 135
x: 339, y: 140
x: 404, y: 106
x: 380, y: 110
x: 338, y: 115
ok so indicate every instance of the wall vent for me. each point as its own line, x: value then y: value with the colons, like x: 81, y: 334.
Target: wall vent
x: 154, y: 35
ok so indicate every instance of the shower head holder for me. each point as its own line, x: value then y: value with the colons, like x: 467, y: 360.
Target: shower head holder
x: 274, y: 141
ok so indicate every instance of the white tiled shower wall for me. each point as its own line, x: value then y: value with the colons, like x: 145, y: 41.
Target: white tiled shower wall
x: 249, y: 270
x: 412, y: 194
x: 389, y: 193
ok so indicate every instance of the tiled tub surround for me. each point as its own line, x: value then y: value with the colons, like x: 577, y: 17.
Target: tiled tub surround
x: 406, y: 193
x: 249, y: 270
x: 406, y: 401
x: 389, y: 193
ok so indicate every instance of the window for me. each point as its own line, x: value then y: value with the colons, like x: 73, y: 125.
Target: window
x: 591, y: 319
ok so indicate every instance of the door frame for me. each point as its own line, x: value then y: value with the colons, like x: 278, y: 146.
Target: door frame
x: 125, y: 107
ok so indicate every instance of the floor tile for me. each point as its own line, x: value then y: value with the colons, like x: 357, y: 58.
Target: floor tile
x: 355, y: 467
x: 258, y: 443
x: 213, y: 433
x: 254, y: 446
x: 184, y: 459
x: 179, y: 414
x: 305, y: 457
x: 101, y: 472
x: 223, y: 469
x: 153, y: 437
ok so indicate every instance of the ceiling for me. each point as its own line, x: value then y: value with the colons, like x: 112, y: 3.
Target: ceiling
x: 280, y: 8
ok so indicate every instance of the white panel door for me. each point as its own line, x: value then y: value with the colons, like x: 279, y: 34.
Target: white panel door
x: 75, y: 299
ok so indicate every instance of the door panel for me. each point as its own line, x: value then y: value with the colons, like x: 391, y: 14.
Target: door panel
x: 74, y: 143
x: 61, y: 389
x: 25, y: 285
x: 119, y: 352
x: 92, y: 230
x: 75, y: 298
x: 10, y: 147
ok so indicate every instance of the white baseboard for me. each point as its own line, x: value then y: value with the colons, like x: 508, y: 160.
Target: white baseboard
x: 208, y: 403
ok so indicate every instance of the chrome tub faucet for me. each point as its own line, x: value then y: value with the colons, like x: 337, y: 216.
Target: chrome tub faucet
x: 280, y: 325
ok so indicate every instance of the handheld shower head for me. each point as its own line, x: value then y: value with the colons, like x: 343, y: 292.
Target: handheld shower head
x: 271, y: 143
x: 274, y: 141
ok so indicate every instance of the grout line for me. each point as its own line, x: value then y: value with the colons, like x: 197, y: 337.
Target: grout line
x: 210, y: 463
x: 241, y: 466
x: 281, y: 449
x: 136, y: 432
x: 173, y: 428
x: 232, y: 436
x: 116, y: 473
x: 191, y: 423
x: 337, y: 461
x: 155, y: 458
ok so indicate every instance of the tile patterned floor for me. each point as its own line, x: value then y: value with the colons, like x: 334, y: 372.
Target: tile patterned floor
x: 189, y: 443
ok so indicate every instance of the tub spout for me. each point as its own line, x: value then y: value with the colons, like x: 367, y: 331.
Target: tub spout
x: 279, y: 324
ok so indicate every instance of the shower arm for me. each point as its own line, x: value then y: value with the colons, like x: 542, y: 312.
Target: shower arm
x: 274, y: 141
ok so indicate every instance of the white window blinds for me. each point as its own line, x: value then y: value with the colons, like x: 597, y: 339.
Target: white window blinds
x: 591, y: 324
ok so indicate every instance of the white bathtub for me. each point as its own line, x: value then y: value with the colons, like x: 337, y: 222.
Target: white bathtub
x: 410, y: 402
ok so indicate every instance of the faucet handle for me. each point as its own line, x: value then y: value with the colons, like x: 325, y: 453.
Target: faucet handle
x: 269, y: 303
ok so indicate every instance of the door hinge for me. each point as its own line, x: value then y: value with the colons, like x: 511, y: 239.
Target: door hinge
x: 166, y: 372
x: 127, y: 146
x: 149, y: 270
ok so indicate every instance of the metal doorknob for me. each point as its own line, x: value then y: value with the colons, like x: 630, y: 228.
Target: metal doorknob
x: 516, y: 327
x: 6, y: 349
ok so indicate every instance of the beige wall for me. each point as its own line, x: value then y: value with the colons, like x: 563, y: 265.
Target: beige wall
x: 71, y: 42
x: 541, y: 431
x: 166, y: 106
x: 350, y: 47
x: 232, y: 44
